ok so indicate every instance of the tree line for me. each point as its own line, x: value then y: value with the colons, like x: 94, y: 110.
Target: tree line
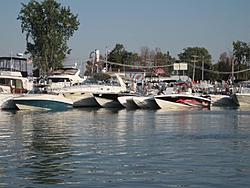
x: 49, y: 26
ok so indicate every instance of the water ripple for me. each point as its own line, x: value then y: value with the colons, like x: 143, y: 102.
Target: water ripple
x: 120, y: 148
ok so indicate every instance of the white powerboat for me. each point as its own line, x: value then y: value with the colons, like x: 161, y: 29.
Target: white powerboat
x: 41, y: 99
x: 222, y: 100
x: 100, y: 84
x: 242, y: 97
x: 181, y: 100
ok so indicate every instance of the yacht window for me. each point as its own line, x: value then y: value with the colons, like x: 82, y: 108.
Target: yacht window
x: 59, y: 79
x: 7, y: 81
x: 2, y: 81
x: 18, y: 84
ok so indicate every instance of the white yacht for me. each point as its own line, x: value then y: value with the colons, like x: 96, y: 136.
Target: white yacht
x: 65, y: 77
x: 99, y: 85
x: 13, y: 80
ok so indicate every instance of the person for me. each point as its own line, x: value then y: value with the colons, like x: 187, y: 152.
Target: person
x: 161, y: 92
x: 135, y: 86
x: 145, y: 89
x: 184, y: 88
x: 44, y: 91
x: 189, y: 90
x: 227, y: 89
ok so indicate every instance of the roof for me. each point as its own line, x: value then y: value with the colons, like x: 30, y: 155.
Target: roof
x: 14, y: 58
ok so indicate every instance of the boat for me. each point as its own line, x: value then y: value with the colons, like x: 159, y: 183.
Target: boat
x: 181, y: 100
x: 99, y: 84
x: 146, y: 102
x: 111, y: 100
x: 242, y: 96
x: 42, y: 98
x: 128, y: 102
x: 222, y: 100
x: 6, y: 96
x: 65, y: 77
x: 14, y: 80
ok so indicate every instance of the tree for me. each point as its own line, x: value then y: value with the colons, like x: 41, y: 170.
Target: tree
x: 88, y: 71
x: 203, y: 58
x: 156, y: 58
x: 242, y: 54
x: 120, y: 55
x: 48, y: 27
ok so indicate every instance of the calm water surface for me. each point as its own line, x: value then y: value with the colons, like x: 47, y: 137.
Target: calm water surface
x: 125, y: 148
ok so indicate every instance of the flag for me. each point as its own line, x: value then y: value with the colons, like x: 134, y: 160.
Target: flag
x: 29, y: 61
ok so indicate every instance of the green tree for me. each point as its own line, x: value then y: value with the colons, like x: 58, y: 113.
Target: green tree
x: 48, y: 27
x: 242, y: 54
x: 120, y: 55
x: 203, y: 57
x: 224, y: 66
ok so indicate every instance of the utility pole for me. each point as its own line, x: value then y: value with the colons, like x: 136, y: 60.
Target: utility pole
x: 233, y: 70
x: 202, y: 75
x: 106, y: 58
x: 194, y: 61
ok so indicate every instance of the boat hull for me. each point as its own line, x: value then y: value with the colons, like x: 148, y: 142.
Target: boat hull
x: 222, y: 100
x: 82, y: 99
x: 108, y: 100
x: 6, y: 102
x: 146, y: 102
x: 241, y: 99
x: 42, y: 102
x: 127, y: 102
x: 177, y: 101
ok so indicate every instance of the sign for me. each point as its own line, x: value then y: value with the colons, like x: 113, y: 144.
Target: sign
x: 180, y: 66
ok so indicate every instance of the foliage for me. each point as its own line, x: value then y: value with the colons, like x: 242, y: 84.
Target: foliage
x: 203, y: 56
x: 242, y: 54
x: 48, y: 27
x: 155, y: 58
x: 120, y: 55
x: 224, y: 66
x: 88, y: 71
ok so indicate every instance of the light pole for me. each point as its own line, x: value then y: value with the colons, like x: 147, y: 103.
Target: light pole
x: 106, y: 58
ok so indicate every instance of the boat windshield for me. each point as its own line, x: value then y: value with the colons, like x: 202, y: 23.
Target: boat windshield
x: 42, y: 89
x: 94, y: 81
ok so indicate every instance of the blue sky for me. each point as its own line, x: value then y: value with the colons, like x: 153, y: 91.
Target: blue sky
x: 170, y: 25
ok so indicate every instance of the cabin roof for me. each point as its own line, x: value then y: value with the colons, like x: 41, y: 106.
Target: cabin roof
x: 14, y: 58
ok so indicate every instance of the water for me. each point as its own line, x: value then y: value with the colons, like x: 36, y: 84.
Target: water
x: 125, y: 148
